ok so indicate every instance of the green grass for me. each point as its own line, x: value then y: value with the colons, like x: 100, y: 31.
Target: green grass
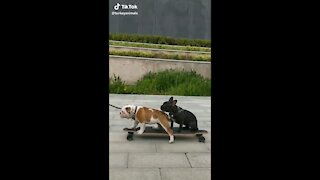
x: 116, y: 85
x: 160, y: 40
x: 161, y: 55
x: 169, y: 82
x: 159, y: 46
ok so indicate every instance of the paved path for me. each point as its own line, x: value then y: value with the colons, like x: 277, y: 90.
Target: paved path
x: 152, y: 157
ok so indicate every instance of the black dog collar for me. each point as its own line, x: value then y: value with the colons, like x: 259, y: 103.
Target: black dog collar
x: 134, y: 114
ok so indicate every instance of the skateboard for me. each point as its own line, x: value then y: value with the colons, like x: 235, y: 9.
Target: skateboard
x: 161, y: 131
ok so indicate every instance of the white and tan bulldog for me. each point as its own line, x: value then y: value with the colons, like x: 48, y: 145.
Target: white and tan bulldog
x: 143, y: 115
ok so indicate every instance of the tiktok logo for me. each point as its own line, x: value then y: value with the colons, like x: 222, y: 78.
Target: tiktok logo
x: 116, y: 7
x: 125, y: 9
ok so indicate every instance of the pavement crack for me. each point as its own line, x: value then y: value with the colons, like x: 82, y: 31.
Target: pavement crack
x: 128, y: 160
x: 188, y: 160
x: 160, y: 173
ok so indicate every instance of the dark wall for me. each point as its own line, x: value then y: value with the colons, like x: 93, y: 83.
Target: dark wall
x: 175, y: 18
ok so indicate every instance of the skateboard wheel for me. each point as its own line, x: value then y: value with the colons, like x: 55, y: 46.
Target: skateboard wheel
x: 130, y: 137
x: 202, y: 139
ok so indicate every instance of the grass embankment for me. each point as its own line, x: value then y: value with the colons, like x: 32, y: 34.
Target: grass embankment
x: 160, y: 40
x: 159, y: 46
x: 193, y: 57
x: 168, y: 82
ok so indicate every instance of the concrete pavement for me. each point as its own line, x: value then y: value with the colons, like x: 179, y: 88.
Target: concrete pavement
x: 152, y: 157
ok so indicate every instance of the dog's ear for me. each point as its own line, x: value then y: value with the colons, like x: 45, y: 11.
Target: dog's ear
x: 174, y: 102
x: 128, y: 109
x: 171, y: 99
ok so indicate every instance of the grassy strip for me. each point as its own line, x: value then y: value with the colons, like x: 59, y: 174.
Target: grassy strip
x: 161, y: 55
x: 160, y: 40
x: 159, y: 46
x: 169, y: 82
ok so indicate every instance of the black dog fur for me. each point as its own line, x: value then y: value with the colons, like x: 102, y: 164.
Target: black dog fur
x: 180, y: 116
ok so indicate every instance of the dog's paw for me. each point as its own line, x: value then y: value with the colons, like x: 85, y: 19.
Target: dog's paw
x: 140, y: 132
x: 171, y: 139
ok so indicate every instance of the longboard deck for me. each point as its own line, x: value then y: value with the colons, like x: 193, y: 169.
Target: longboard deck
x: 161, y: 131
x: 150, y: 130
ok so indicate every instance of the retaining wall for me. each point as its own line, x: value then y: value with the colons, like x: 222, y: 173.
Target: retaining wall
x: 131, y: 69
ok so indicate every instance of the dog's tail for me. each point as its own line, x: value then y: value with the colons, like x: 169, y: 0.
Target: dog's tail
x: 164, y: 113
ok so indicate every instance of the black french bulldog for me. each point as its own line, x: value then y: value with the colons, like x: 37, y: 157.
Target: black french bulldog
x: 180, y: 116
